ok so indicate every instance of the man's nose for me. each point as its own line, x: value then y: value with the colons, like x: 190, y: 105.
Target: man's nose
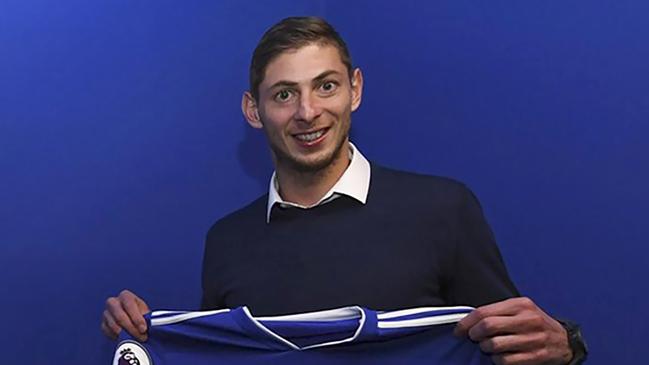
x: 308, y: 109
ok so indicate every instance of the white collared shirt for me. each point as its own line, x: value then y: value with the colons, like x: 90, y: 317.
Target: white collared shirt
x: 354, y: 182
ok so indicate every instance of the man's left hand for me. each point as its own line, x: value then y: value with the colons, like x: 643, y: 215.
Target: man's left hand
x: 516, y: 331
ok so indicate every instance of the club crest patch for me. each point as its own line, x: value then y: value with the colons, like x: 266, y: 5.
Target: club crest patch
x: 131, y: 353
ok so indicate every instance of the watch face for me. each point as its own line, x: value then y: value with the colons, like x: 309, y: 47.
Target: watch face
x: 577, y: 344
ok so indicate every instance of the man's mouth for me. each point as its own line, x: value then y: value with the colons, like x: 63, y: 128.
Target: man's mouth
x: 311, y: 136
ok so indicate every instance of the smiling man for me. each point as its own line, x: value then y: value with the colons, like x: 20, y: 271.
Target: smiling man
x: 304, y: 106
x: 336, y: 230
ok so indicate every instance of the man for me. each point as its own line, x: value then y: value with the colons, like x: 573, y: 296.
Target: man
x: 335, y: 230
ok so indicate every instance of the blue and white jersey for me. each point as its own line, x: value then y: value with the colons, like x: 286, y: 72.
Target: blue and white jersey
x: 350, y: 335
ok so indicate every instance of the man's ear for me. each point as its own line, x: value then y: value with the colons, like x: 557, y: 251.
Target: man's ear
x: 250, y: 110
x: 357, y: 88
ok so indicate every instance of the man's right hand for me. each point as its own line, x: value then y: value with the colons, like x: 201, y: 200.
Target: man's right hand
x: 126, y: 311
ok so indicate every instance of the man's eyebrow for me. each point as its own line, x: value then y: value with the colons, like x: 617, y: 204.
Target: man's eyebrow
x: 324, y: 75
x: 282, y: 83
x: 315, y: 80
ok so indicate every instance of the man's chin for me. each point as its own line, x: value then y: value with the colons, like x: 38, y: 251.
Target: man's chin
x: 312, y: 165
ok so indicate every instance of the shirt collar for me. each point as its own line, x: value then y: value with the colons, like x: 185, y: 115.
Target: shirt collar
x: 354, y: 182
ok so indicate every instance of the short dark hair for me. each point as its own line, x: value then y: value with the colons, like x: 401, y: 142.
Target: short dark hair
x: 293, y: 33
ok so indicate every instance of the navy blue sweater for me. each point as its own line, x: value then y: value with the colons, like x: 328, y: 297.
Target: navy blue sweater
x: 418, y: 241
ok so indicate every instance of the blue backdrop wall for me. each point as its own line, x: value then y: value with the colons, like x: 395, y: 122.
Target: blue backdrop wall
x: 121, y: 141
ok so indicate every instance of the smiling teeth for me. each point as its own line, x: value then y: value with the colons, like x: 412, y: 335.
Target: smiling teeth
x: 308, y: 137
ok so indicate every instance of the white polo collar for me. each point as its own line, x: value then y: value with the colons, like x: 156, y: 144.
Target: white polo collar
x: 354, y: 182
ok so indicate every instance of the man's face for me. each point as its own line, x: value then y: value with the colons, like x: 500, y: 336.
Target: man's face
x: 305, y: 104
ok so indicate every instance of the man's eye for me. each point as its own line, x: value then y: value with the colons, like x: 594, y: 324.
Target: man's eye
x: 328, y: 86
x: 283, y: 95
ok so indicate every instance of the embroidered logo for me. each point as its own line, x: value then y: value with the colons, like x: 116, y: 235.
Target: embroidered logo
x: 131, y: 353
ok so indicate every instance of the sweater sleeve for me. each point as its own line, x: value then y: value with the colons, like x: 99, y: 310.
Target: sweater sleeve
x: 478, y: 275
x: 210, y: 298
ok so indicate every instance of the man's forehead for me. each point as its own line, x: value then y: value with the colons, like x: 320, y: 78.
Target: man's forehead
x: 303, y: 64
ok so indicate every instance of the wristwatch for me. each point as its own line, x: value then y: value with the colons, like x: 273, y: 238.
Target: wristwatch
x: 576, y: 342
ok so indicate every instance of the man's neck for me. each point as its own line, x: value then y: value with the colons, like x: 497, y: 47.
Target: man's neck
x: 307, y: 188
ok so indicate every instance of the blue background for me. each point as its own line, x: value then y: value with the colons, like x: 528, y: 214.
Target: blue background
x: 122, y: 141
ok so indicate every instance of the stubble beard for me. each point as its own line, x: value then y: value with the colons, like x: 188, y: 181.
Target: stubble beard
x: 311, y: 166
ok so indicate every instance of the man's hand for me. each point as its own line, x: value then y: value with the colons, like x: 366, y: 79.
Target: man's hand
x: 516, y: 331
x: 126, y: 311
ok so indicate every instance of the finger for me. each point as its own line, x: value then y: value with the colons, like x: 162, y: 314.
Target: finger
x: 509, y: 307
x: 132, y: 309
x: 107, y: 331
x: 114, y: 307
x: 490, y: 327
x: 515, y: 358
x: 112, y: 327
x: 144, y: 308
x: 511, y: 343
x: 498, y: 326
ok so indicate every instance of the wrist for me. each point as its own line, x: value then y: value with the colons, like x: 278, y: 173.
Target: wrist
x: 578, y: 351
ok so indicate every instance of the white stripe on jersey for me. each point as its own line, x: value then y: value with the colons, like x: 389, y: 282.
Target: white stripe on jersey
x: 411, y: 311
x: 389, y: 319
x: 426, y: 321
x: 184, y: 316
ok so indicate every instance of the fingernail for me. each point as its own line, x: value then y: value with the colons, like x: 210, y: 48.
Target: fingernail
x: 142, y: 328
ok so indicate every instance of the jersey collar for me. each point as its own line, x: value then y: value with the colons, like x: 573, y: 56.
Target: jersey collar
x: 355, y: 183
x: 261, y: 328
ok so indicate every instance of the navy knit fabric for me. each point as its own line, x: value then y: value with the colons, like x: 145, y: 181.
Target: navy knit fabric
x: 418, y: 241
